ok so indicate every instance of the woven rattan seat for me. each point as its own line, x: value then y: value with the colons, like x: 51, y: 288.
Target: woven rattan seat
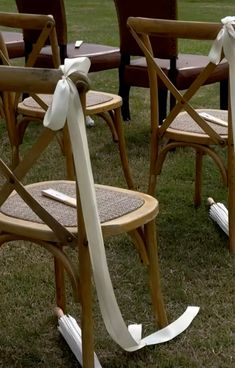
x: 184, y: 122
x: 111, y: 204
x: 92, y: 98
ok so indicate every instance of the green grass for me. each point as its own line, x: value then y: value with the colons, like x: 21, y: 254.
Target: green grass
x: 196, y: 266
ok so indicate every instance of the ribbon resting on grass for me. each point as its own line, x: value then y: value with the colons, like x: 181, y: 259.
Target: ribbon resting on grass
x: 66, y: 105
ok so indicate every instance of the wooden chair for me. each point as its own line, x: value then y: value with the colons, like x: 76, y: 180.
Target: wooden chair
x: 187, y: 127
x: 182, y: 69
x: 105, y: 105
x: 135, y: 213
x: 102, y: 57
x: 45, y: 26
x: 18, y: 114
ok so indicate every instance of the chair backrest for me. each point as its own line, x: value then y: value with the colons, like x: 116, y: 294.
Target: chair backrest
x: 142, y: 29
x: 163, y: 9
x: 45, y: 27
x: 56, y: 8
x: 24, y: 79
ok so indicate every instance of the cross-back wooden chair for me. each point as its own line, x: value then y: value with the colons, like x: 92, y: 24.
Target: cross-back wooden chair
x: 105, y: 105
x: 102, y: 57
x: 181, y: 68
x: 27, y: 215
x: 45, y: 26
x: 185, y: 125
x: 19, y: 113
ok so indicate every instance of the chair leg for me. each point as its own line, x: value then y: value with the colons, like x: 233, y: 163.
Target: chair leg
x: 224, y: 95
x: 154, y: 275
x: 60, y: 284
x: 152, y: 182
x: 124, y: 89
x: 86, y: 303
x: 231, y: 197
x: 138, y: 240
x: 162, y: 103
x: 153, y: 166
x: 198, y: 178
x: 124, y: 92
x: 108, y: 117
x: 15, y: 156
x: 122, y: 148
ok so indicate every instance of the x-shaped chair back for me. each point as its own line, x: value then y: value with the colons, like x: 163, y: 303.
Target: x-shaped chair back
x: 185, y: 125
x: 57, y: 236
x: 45, y: 82
x: 142, y: 29
x: 45, y: 26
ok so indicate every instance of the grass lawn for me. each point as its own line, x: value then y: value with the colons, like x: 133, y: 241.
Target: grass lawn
x: 196, y: 266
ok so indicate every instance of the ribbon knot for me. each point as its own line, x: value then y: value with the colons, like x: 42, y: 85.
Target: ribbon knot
x: 65, y: 93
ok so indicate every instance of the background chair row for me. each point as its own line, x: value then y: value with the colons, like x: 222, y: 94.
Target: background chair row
x: 18, y: 113
x: 218, y: 71
x: 182, y: 69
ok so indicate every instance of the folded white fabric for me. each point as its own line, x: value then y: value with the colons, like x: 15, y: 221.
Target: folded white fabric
x: 225, y: 42
x: 89, y: 121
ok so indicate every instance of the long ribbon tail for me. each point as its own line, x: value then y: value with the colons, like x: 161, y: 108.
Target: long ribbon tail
x: 129, y: 338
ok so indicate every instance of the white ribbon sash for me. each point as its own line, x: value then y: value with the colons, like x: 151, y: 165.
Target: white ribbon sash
x: 225, y: 41
x: 66, y: 105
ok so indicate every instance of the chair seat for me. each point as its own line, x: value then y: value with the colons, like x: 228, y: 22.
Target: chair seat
x: 105, y: 105
x: 184, y: 126
x: 136, y: 72
x: 119, y: 209
x: 96, y: 102
x: 102, y: 57
x: 15, y: 44
x: 188, y: 68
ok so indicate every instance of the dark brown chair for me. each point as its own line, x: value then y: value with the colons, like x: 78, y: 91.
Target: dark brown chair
x: 181, y: 68
x: 15, y: 44
x: 102, y: 57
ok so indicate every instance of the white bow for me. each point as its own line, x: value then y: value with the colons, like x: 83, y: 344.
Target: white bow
x: 66, y: 105
x: 225, y: 41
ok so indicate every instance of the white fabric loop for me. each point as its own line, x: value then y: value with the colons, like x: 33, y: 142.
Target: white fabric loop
x: 129, y: 338
x: 225, y: 41
x: 57, y: 112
